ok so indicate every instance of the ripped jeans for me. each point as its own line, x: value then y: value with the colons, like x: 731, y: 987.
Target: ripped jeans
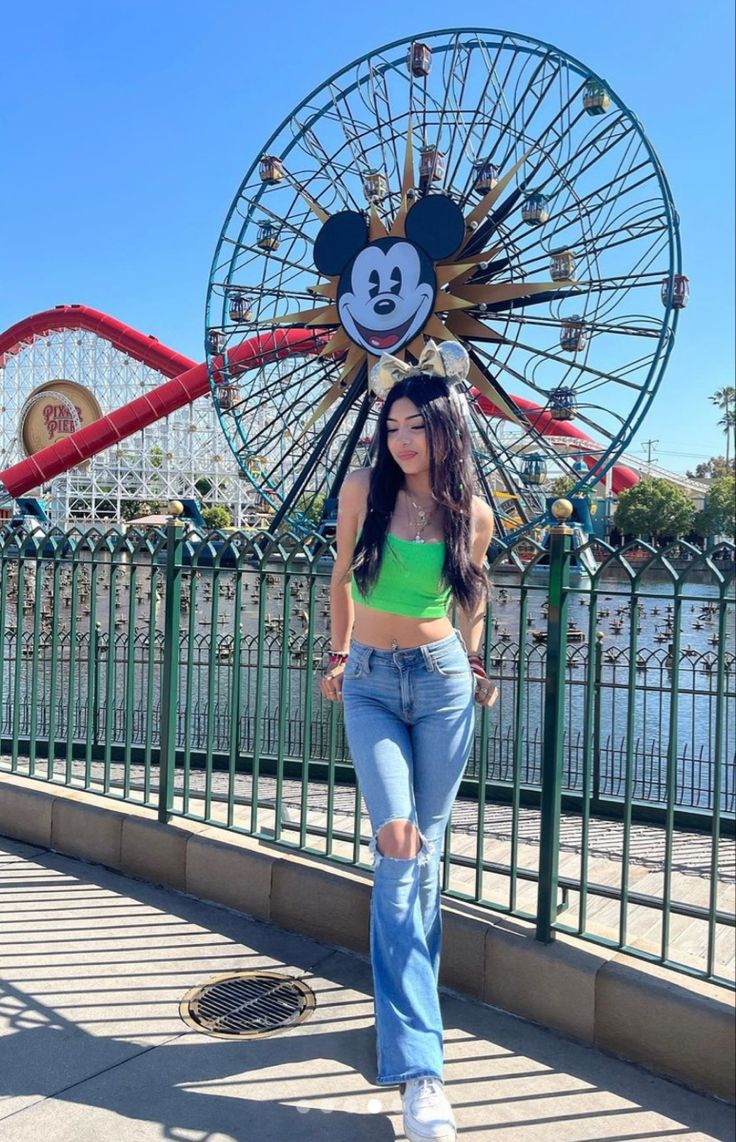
x: 409, y: 719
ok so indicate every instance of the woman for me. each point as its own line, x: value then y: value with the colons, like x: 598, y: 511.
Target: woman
x: 410, y: 536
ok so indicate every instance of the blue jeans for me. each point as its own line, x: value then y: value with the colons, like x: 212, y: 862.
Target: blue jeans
x: 409, y: 719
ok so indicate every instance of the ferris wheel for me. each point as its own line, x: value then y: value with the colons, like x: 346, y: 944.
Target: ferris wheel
x: 466, y: 185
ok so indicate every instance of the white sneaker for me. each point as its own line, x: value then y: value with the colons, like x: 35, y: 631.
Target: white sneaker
x: 428, y: 1115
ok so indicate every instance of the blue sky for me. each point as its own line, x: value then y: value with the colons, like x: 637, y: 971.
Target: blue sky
x: 127, y: 127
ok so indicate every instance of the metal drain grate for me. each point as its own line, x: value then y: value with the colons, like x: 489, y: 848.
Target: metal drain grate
x: 247, y: 1004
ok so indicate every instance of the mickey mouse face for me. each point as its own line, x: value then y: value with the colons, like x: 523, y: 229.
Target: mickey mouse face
x: 387, y: 287
x: 386, y: 295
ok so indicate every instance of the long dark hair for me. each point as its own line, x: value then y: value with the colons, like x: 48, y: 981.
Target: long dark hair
x: 451, y: 481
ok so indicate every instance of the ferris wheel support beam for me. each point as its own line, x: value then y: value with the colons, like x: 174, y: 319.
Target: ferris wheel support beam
x: 350, y: 448
x: 326, y: 435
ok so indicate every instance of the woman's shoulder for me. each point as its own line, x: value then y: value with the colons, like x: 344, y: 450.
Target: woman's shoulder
x: 356, y: 485
x: 358, y: 477
x: 482, y: 512
x: 482, y: 520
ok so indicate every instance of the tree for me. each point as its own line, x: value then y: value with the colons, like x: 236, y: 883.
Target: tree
x: 561, y: 486
x: 217, y: 517
x: 712, y: 469
x: 312, y: 506
x: 655, y: 509
x: 718, y: 515
x: 136, y: 509
x: 725, y: 400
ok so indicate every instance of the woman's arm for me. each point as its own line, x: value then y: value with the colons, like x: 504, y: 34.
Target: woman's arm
x: 342, y: 612
x: 470, y: 622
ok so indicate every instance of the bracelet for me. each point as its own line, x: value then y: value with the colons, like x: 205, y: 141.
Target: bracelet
x: 338, y: 656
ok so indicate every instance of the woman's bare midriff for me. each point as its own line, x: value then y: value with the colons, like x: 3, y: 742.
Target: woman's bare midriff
x: 381, y: 628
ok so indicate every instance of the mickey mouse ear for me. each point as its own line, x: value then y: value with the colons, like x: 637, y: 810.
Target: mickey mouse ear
x: 456, y: 361
x: 340, y: 239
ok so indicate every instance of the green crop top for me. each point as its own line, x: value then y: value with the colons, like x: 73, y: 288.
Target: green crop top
x: 408, y: 580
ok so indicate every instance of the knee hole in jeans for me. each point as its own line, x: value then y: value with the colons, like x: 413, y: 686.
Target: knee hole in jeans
x: 399, y: 839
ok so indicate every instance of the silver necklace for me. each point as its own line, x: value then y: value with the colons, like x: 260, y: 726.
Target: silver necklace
x: 423, y: 520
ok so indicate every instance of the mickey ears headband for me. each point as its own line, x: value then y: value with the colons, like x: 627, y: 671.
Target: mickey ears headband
x: 450, y: 362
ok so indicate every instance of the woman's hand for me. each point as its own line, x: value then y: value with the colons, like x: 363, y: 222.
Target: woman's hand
x: 330, y: 683
x: 486, y: 692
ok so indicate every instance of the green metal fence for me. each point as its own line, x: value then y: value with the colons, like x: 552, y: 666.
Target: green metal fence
x: 599, y: 795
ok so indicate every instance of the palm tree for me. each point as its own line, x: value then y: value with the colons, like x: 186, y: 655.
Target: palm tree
x: 725, y: 400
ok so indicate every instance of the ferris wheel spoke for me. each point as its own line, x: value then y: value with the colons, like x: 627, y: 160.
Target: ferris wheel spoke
x: 277, y: 263
x: 380, y: 106
x: 605, y: 434
x: 353, y: 131
x: 577, y: 367
x: 468, y: 144
x: 536, y: 102
x: 457, y: 74
x: 502, y: 455
x: 563, y: 173
x: 617, y: 375
x: 592, y: 327
x: 256, y: 294
x: 568, y: 218
x: 285, y: 221
x: 329, y: 167
x: 308, y: 382
x: 490, y: 365
x: 512, y: 127
x: 621, y: 182
x: 309, y: 385
x: 610, y: 240
x: 539, y: 152
x: 499, y: 108
x: 289, y: 458
x: 598, y: 146
x: 500, y: 83
x: 624, y: 180
x: 329, y: 431
x: 595, y: 201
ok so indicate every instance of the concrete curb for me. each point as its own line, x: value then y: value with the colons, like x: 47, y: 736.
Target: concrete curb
x: 679, y: 1027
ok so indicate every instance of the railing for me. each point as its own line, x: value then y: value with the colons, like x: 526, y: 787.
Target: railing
x: 599, y: 794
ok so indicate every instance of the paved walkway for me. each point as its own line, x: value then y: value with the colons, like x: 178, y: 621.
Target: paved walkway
x: 93, y: 966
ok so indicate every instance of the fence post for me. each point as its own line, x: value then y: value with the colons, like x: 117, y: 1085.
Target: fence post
x: 170, y: 679
x: 597, y: 675
x: 94, y: 649
x: 554, y: 704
